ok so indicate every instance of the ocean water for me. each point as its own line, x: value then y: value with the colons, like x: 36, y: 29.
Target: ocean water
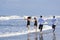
x: 14, y: 28
x: 13, y: 25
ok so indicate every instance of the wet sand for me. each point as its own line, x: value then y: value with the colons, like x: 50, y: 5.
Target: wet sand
x: 46, y: 35
x: 35, y: 36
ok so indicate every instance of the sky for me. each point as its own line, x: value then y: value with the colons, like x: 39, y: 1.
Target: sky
x: 29, y: 7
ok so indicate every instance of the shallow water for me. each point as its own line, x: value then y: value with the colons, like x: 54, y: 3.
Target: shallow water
x: 46, y: 35
x: 12, y: 26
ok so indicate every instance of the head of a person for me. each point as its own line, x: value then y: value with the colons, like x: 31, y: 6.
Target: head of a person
x: 53, y: 16
x: 40, y: 16
x: 34, y: 18
x: 28, y: 18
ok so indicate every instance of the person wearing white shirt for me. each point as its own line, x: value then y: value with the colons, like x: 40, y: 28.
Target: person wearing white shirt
x: 41, y: 22
x: 53, y: 23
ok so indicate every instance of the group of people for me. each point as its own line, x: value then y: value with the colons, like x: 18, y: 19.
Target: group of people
x: 41, y: 22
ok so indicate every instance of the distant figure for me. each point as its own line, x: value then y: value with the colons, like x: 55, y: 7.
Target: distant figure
x: 28, y: 22
x: 35, y: 23
x: 53, y: 23
x: 35, y: 26
x: 41, y: 22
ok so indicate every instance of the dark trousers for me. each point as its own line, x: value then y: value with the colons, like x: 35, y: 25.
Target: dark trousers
x: 53, y: 27
x: 40, y: 27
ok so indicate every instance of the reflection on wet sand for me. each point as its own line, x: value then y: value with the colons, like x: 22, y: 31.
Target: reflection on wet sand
x: 36, y: 36
x: 54, y: 36
x: 41, y: 36
x: 28, y: 36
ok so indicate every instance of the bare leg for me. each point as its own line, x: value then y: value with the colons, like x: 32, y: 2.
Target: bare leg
x: 28, y: 28
x: 28, y: 32
x: 35, y: 28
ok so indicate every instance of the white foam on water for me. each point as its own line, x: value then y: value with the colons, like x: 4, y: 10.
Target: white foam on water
x: 50, y: 17
x: 23, y: 17
x: 10, y: 17
x: 45, y: 28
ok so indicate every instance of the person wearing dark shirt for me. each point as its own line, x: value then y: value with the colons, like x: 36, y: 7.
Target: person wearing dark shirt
x: 28, y: 22
x: 35, y: 23
x: 35, y: 26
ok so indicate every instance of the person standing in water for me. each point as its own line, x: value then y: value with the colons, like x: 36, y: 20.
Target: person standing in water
x: 35, y: 23
x: 53, y: 23
x: 28, y: 26
x: 41, y: 22
x: 35, y: 27
x: 28, y: 22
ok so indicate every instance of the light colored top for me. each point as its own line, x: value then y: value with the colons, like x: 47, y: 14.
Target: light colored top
x: 53, y: 21
x: 41, y: 21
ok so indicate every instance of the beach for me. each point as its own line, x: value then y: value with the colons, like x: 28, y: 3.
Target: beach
x: 15, y: 29
x: 13, y: 14
x: 32, y: 36
x: 46, y: 35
